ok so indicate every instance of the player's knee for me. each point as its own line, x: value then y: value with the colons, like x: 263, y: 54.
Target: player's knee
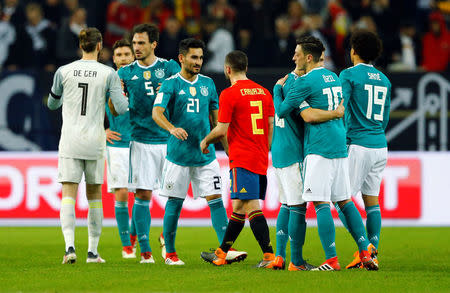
x: 370, y: 200
x: 212, y: 197
x: 144, y: 194
x: 121, y: 194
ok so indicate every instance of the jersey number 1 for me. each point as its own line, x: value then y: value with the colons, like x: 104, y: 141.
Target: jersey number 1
x: 84, y: 87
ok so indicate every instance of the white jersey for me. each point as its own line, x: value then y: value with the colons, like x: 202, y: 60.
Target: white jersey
x: 81, y: 87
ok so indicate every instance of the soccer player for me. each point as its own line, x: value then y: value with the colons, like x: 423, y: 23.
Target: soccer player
x: 367, y: 92
x: 117, y: 158
x: 287, y: 158
x: 148, y: 147
x: 246, y: 118
x: 189, y: 99
x: 325, y: 165
x: 81, y: 88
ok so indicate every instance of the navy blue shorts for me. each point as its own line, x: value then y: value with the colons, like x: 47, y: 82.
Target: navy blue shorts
x: 247, y: 185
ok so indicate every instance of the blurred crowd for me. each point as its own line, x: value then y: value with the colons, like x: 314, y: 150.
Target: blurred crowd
x: 43, y: 34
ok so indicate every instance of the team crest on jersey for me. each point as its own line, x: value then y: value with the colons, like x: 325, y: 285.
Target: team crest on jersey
x: 204, y: 90
x: 159, y: 73
x: 193, y: 91
x: 147, y: 75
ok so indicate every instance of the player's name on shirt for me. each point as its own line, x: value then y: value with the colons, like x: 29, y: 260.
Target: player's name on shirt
x: 85, y: 73
x: 252, y: 92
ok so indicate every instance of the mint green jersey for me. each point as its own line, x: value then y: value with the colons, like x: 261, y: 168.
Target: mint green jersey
x: 367, y: 93
x: 321, y: 89
x: 120, y: 124
x: 189, y: 105
x: 287, y: 142
x: 140, y: 83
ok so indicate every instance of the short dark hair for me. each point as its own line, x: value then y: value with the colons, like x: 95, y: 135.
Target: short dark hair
x: 89, y: 38
x: 366, y: 44
x: 188, y: 43
x: 122, y: 43
x: 311, y: 45
x: 149, y: 28
x: 237, y: 60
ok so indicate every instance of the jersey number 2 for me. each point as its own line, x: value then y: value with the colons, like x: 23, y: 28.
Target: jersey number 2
x: 84, y: 87
x: 256, y: 116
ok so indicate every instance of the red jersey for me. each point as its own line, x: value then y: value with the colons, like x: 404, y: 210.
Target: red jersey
x: 247, y: 106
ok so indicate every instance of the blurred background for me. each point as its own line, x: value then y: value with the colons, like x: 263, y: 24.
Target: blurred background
x: 38, y: 36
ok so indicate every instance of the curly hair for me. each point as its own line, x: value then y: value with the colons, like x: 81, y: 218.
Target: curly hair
x: 366, y: 44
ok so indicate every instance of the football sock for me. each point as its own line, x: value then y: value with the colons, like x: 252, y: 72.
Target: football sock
x: 260, y: 230
x: 142, y: 221
x: 235, y: 225
x: 327, y: 232
x: 170, y: 223
x: 122, y: 219
x: 355, y: 225
x: 67, y: 218
x: 373, y: 224
x: 297, y: 231
x: 132, y: 225
x: 219, y: 217
x: 95, y: 219
x: 282, y: 231
x: 341, y: 215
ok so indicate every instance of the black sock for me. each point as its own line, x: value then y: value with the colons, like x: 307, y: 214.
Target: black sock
x: 260, y: 229
x: 234, y: 228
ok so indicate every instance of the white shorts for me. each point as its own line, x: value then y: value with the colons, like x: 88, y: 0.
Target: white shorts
x: 325, y: 179
x: 206, y: 180
x: 146, y: 165
x: 290, y: 185
x: 366, y: 167
x: 71, y: 170
x: 118, y: 161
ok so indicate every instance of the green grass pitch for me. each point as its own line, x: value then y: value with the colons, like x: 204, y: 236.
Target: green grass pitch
x: 411, y: 260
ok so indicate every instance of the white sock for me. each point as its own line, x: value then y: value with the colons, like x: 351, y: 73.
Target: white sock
x: 67, y: 218
x: 95, y: 220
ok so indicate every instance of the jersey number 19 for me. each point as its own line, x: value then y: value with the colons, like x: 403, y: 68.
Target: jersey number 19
x: 374, y: 99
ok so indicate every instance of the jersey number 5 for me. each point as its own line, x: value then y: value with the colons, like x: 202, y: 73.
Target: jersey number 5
x: 84, y: 87
x: 256, y: 116
x: 373, y: 93
x: 149, y: 88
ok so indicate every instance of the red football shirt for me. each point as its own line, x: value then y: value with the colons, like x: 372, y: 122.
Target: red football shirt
x: 247, y: 106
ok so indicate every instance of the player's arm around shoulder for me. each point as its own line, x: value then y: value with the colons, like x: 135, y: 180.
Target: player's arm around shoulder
x: 299, y: 91
x: 313, y: 115
x: 54, y: 100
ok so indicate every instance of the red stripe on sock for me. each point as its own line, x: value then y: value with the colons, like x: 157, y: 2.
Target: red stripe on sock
x: 254, y: 214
